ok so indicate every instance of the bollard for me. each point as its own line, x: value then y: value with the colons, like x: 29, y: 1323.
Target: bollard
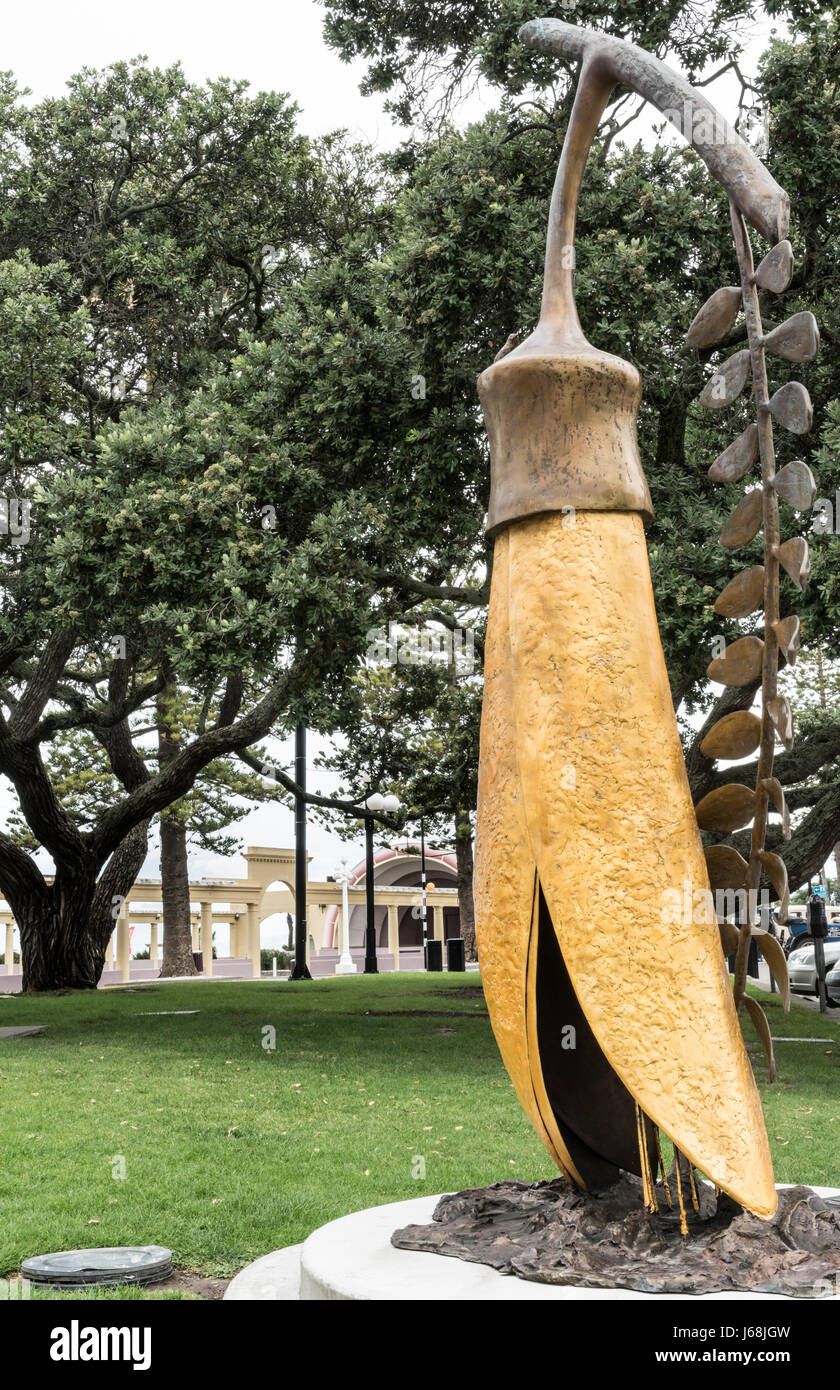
x: 434, y: 955
x: 456, y: 955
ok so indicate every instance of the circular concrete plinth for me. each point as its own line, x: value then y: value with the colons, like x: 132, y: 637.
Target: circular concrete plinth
x: 353, y: 1259
x: 275, y: 1277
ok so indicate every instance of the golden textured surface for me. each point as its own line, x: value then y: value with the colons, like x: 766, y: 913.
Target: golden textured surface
x: 582, y: 781
x: 505, y: 876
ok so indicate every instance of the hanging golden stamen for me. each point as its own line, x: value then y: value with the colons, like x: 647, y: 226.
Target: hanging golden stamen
x: 694, y: 1202
x: 654, y: 1207
x: 683, y: 1222
x: 648, y: 1180
x: 640, y: 1142
x: 665, y: 1182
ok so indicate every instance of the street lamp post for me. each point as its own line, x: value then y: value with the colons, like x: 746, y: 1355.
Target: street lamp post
x: 345, y: 965
x: 371, y: 967
x: 423, y: 909
x: 423, y: 881
x: 373, y: 803
x: 300, y: 970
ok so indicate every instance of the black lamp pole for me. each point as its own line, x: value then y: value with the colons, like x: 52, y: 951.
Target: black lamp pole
x: 423, y: 877
x: 300, y: 970
x: 371, y: 967
x: 815, y: 915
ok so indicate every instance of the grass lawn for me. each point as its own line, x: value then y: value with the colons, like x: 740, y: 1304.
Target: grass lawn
x: 230, y: 1150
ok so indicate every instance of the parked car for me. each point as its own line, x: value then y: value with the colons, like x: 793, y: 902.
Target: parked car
x: 802, y: 966
x: 797, y: 935
x: 832, y: 984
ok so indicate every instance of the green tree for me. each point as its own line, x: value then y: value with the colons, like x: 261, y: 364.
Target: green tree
x: 813, y: 688
x: 147, y: 225
x: 426, y: 56
x: 410, y: 725
x: 85, y: 784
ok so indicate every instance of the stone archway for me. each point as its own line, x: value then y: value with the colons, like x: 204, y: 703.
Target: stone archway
x: 282, y: 924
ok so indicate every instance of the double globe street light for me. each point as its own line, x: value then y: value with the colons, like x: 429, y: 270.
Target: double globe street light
x: 376, y: 803
x: 346, y: 964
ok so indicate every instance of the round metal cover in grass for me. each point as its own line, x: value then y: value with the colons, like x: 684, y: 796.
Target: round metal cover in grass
x: 114, y: 1264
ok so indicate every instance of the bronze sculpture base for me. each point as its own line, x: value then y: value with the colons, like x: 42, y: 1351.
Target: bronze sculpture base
x: 551, y: 1233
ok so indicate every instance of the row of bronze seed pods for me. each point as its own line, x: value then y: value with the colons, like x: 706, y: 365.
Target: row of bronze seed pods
x: 751, y: 658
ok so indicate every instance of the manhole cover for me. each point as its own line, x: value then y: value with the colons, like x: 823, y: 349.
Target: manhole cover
x: 808, y: 1040
x: 121, y: 1264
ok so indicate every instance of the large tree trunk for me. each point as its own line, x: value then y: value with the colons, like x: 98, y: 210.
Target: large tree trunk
x: 174, y: 865
x: 65, y: 927
x: 175, y: 892
x: 58, y: 949
x: 464, y: 859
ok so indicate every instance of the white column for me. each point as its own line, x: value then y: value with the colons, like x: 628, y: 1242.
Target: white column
x: 123, y: 944
x: 154, y: 958
x: 394, y: 933
x: 346, y: 965
x: 254, y: 940
x: 10, y: 947
x: 207, y: 936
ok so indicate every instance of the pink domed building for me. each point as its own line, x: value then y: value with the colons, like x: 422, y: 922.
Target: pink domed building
x: 399, y: 869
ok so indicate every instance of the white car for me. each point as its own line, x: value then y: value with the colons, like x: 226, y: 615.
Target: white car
x: 832, y: 984
x: 802, y: 966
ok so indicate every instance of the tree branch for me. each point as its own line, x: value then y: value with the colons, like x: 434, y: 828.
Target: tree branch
x: 178, y: 776
x: 441, y: 591
x: 19, y: 874
x: 350, y: 808
x: 98, y: 721
x: 231, y: 701
x: 41, y: 686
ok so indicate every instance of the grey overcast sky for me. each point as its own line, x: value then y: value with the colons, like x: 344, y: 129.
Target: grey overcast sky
x: 276, y: 46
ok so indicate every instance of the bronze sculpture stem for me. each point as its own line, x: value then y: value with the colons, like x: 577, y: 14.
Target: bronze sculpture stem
x: 770, y: 506
x: 558, y: 300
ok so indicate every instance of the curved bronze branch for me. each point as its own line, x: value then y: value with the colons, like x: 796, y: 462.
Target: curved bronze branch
x: 558, y: 302
x: 750, y: 186
x: 555, y: 373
